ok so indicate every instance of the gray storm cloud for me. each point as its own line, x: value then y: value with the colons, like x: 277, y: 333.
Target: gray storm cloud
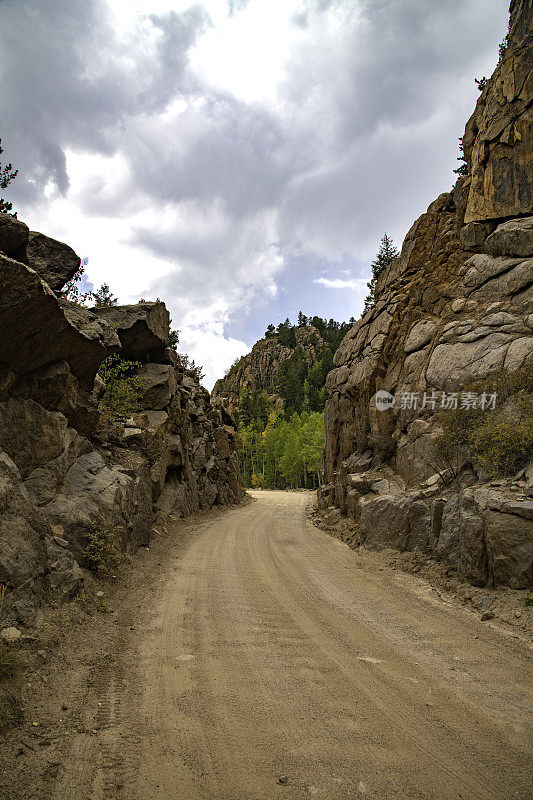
x: 373, y: 96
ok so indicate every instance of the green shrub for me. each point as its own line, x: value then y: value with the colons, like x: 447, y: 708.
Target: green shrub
x: 502, y: 443
x: 86, y: 598
x: 174, y: 339
x: 497, y: 441
x: 121, y: 396
x: 452, y: 448
x: 103, y: 551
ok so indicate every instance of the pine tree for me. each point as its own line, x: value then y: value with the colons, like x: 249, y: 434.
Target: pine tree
x: 7, y: 174
x: 463, y: 168
x: 103, y: 297
x: 387, y: 252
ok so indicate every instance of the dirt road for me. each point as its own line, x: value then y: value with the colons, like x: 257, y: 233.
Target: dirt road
x: 271, y: 663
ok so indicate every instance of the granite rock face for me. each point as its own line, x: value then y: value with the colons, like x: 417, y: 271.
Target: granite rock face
x: 456, y: 306
x: 143, y: 329
x: 55, y: 262
x: 23, y: 534
x: 38, y: 330
x: 513, y: 237
x: 497, y: 138
x: 74, y: 487
x: 13, y: 234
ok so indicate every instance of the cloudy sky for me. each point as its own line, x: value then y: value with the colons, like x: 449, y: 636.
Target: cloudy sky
x: 239, y: 159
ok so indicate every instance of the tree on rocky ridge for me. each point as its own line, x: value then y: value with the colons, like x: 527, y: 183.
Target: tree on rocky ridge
x: 7, y: 173
x: 462, y: 169
x: 174, y: 338
x: 104, y: 297
x: 386, y: 253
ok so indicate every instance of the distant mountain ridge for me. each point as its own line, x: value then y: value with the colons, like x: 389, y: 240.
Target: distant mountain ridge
x: 290, y: 364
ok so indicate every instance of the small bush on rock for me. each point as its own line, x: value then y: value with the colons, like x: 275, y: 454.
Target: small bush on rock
x: 103, y: 297
x: 502, y: 442
x: 174, y: 339
x: 496, y: 441
x: 7, y: 174
x: 103, y: 551
x: 72, y: 290
x: 120, y: 399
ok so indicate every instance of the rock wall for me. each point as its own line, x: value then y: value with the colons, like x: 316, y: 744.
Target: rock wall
x: 259, y: 369
x: 69, y: 479
x: 455, y: 306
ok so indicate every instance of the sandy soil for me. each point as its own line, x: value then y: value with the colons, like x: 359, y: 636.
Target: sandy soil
x: 251, y: 656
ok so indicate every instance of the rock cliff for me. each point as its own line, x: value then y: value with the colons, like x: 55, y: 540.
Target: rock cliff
x: 453, y: 310
x: 78, y: 487
x: 258, y: 370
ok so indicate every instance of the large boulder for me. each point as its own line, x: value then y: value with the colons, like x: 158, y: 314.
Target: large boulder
x: 23, y: 530
x: 461, y: 539
x: 99, y: 340
x: 509, y: 537
x: 13, y: 234
x: 141, y: 328
x: 487, y: 536
x: 31, y: 435
x: 471, y: 350
x: 55, y: 388
x: 41, y: 331
x: 490, y: 277
x: 54, y: 261
x: 384, y: 522
x: 103, y: 501
x: 512, y: 238
x: 392, y: 520
x: 157, y: 387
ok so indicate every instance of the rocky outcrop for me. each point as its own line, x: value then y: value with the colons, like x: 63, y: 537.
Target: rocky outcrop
x: 143, y: 329
x: 13, y: 234
x: 456, y: 306
x: 38, y: 330
x: 79, y: 486
x: 497, y: 138
x: 55, y: 262
x: 258, y: 370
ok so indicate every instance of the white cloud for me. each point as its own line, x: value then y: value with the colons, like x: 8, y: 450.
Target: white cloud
x: 195, y: 151
x: 358, y: 284
x: 211, y: 350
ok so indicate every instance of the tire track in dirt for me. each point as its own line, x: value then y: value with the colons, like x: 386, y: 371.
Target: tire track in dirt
x: 270, y: 664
